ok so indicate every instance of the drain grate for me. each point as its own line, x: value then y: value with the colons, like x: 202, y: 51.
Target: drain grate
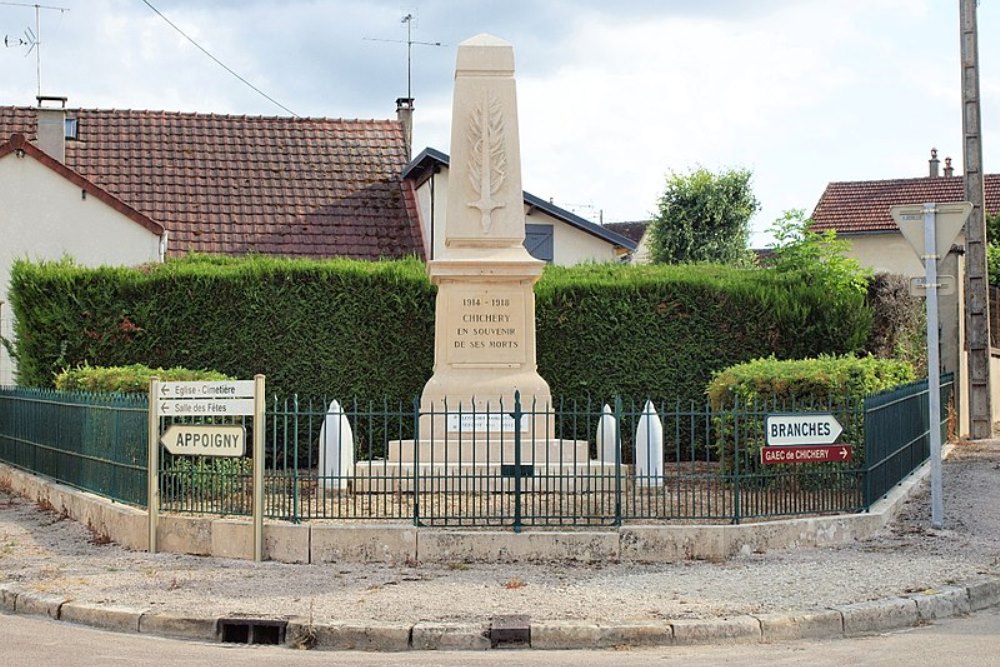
x: 510, y: 631
x: 252, y: 631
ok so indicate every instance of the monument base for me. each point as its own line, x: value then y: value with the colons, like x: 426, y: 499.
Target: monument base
x: 382, y: 477
x: 489, y: 450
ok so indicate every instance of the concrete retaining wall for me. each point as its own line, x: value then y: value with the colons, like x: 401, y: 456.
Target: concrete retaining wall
x: 316, y: 542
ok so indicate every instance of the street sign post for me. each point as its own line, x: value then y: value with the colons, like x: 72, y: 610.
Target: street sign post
x: 205, y: 440
x: 941, y: 224
x: 200, y: 399
x: 811, y: 428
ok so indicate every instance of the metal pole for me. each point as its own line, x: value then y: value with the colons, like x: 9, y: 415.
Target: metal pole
x: 153, y: 463
x: 933, y: 362
x: 258, y: 467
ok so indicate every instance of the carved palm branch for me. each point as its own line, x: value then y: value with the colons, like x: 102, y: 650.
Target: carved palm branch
x: 488, y: 157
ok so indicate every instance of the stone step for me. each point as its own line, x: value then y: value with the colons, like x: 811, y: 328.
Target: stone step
x: 383, y: 477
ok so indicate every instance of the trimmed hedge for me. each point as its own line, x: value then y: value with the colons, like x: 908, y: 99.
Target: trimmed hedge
x: 825, y: 384
x: 338, y: 327
x: 132, y: 379
x: 660, y: 331
x: 365, y: 330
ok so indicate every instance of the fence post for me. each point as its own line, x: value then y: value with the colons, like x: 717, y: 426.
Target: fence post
x: 258, y: 467
x: 736, y: 461
x: 153, y: 462
x: 618, y: 461
x: 416, y: 458
x: 866, y: 471
x: 517, y: 461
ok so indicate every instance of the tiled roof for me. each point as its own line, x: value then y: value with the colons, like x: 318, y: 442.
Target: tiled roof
x: 312, y: 187
x: 857, y: 207
x: 631, y: 230
x: 420, y: 167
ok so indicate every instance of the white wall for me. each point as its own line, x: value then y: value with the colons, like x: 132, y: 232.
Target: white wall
x: 885, y: 252
x: 570, y: 244
x: 45, y: 216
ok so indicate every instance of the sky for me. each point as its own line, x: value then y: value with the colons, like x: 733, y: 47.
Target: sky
x: 612, y: 96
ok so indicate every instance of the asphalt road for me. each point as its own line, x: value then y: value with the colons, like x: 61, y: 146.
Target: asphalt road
x: 972, y: 641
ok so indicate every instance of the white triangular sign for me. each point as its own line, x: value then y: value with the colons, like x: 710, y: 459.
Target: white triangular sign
x: 949, y: 220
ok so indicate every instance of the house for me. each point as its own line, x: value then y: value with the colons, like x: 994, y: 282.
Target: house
x: 299, y: 187
x: 552, y: 234
x: 638, y: 231
x: 50, y: 210
x: 859, y: 212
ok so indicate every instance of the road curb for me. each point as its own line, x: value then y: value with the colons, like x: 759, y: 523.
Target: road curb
x: 107, y: 617
x: 39, y: 604
x: 823, y: 624
x: 179, y: 626
x: 852, y: 620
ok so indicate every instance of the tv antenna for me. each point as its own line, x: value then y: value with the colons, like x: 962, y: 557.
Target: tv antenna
x: 32, y: 38
x: 408, y: 20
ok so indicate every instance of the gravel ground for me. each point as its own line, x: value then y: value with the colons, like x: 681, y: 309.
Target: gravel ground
x: 45, y: 552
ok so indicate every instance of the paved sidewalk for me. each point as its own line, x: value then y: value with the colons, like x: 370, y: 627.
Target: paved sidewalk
x: 907, y: 574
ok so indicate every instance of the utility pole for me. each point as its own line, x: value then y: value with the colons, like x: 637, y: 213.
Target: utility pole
x: 977, y: 302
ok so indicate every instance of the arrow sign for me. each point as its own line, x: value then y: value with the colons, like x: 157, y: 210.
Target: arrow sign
x: 806, y: 454
x: 205, y: 440
x: 818, y: 428
x: 207, y: 389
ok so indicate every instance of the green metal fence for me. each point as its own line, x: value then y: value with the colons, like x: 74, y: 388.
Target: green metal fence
x: 519, y: 465
x: 539, y: 466
x: 96, y: 442
x: 897, y: 434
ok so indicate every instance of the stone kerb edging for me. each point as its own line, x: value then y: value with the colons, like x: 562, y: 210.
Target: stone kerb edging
x: 836, y: 622
x: 318, y: 542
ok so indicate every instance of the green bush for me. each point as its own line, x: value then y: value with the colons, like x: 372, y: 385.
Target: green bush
x: 741, y: 397
x: 133, y: 379
x: 365, y: 330
x: 899, y: 322
x: 206, y: 484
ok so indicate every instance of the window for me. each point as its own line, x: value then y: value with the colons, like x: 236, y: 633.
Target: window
x: 538, y: 241
x: 72, y: 128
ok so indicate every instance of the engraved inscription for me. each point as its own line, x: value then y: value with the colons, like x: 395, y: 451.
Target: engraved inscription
x: 483, y: 422
x: 487, y: 327
x: 487, y: 158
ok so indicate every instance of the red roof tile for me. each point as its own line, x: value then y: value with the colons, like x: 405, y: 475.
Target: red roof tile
x: 313, y: 187
x: 855, y: 207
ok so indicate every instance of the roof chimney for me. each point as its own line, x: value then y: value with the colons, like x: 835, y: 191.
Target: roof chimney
x: 934, y: 162
x: 948, y: 169
x: 404, y: 113
x: 51, y: 130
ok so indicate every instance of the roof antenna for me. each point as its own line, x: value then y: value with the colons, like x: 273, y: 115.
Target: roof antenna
x: 408, y: 20
x: 32, y: 38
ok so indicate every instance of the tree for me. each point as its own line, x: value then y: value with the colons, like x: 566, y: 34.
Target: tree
x: 819, y: 257
x: 704, y: 217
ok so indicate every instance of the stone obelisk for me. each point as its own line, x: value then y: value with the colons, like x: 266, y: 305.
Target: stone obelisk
x: 484, y: 342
